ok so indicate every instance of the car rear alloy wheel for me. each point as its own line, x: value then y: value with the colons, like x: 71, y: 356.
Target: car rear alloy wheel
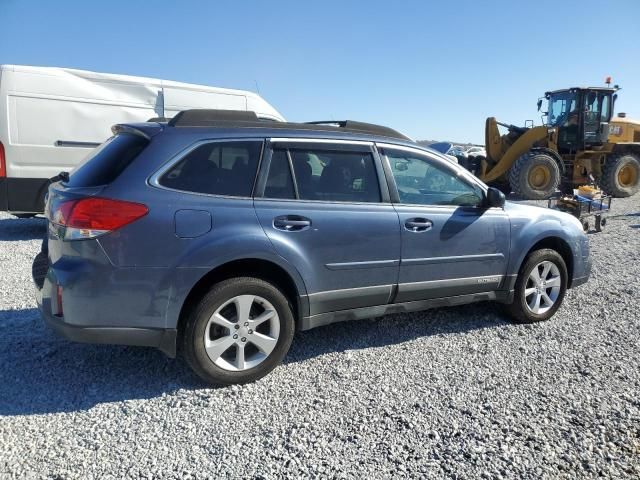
x: 242, y: 333
x: 543, y: 287
x: 539, y: 288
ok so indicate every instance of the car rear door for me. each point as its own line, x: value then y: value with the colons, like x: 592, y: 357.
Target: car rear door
x: 325, y: 207
x: 451, y: 244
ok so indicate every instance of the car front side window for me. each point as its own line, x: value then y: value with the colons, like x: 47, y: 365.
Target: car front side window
x: 422, y: 181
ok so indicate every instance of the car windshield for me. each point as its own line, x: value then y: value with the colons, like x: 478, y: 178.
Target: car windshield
x: 561, y: 105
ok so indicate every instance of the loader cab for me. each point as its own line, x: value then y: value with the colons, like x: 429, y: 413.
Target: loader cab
x: 580, y: 116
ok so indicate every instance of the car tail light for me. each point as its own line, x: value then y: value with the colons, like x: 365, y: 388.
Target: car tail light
x: 93, y: 216
x: 3, y: 162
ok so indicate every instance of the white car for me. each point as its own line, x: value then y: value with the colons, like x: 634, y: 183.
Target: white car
x: 476, y: 152
x: 51, y: 118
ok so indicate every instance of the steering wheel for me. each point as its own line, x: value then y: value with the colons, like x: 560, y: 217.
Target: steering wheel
x: 561, y: 119
x: 436, y: 182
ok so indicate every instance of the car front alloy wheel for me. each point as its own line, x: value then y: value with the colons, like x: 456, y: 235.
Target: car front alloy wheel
x: 543, y: 287
x: 540, y: 287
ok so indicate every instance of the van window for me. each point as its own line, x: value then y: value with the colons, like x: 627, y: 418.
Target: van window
x: 108, y: 161
x: 335, y: 176
x: 217, y: 168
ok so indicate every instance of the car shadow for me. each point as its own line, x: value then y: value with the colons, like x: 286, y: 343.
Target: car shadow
x: 12, y: 229
x: 42, y: 373
x: 394, y: 329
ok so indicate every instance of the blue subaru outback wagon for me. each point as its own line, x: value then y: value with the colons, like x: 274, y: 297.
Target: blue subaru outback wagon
x: 220, y: 235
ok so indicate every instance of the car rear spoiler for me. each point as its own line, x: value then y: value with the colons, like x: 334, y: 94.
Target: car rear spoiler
x: 146, y: 130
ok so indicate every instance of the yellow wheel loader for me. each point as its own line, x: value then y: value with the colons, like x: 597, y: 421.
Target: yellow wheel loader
x: 580, y: 142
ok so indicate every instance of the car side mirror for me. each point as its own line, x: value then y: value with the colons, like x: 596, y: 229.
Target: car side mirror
x: 495, y: 198
x: 539, y: 104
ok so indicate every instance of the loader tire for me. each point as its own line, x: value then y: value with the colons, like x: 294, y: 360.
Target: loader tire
x: 621, y: 175
x: 534, y: 176
x: 504, y: 187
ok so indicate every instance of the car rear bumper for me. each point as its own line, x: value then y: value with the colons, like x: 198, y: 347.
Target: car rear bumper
x: 162, y: 338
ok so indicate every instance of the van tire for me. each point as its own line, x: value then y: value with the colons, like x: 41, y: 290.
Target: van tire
x: 199, y: 329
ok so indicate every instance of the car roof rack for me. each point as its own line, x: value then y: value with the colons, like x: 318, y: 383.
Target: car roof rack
x: 248, y: 119
x: 362, y: 127
x: 209, y: 117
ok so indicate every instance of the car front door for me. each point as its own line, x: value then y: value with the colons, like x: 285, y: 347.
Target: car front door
x: 325, y: 207
x: 451, y: 244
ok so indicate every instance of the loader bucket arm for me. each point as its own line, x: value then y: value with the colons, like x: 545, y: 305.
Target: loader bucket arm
x: 492, y: 140
x: 505, y: 160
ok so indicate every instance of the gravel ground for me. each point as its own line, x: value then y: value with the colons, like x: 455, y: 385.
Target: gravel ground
x: 458, y: 393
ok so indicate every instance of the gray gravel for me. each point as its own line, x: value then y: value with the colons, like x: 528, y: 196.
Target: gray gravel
x: 458, y: 393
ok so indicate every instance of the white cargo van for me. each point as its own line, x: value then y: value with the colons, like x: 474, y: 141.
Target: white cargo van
x: 50, y: 118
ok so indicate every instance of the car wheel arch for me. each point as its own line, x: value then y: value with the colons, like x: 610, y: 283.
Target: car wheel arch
x: 555, y: 243
x: 269, y: 270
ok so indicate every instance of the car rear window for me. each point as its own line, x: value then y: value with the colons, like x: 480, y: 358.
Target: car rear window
x: 108, y: 161
x: 216, y: 168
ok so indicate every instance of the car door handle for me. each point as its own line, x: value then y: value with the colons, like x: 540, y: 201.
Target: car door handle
x: 291, y: 223
x: 418, y: 224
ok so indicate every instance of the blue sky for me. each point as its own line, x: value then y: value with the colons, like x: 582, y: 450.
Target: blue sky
x: 434, y: 70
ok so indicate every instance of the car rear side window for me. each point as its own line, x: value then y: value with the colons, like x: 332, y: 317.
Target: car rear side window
x: 216, y: 168
x: 108, y: 161
x: 324, y: 175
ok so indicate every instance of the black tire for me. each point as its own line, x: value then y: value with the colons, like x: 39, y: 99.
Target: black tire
x: 600, y: 223
x: 522, y: 169
x: 196, y: 325
x: 611, y: 178
x: 504, y: 187
x: 519, y: 311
